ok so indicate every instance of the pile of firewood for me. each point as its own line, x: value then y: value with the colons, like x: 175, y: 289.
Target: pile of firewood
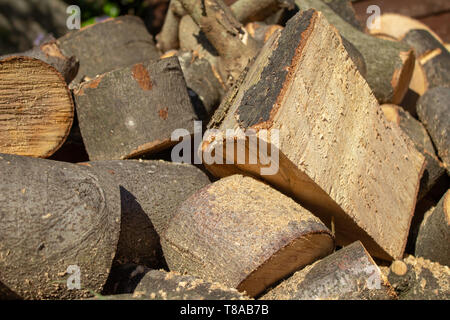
x: 354, y: 120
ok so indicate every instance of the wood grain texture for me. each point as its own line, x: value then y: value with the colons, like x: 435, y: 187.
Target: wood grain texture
x: 133, y: 111
x: 338, y: 155
x: 36, y: 107
x: 433, y: 240
x: 244, y: 234
x: 348, y: 274
x: 112, y: 44
x: 54, y: 215
x: 389, y: 64
x: 415, y: 130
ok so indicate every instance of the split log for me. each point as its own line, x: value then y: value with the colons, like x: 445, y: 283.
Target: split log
x: 311, y: 97
x: 244, y: 234
x: 389, y: 64
x: 433, y: 109
x: 233, y: 43
x: 419, y: 279
x: 414, y: 129
x: 396, y: 26
x: 52, y: 55
x: 205, y: 86
x: 112, y: 44
x: 433, y: 241
x: 347, y: 274
x: 432, y: 56
x: 151, y: 192
x: 54, y: 215
x: 344, y: 9
x: 161, y: 285
x: 128, y: 112
x: 36, y: 107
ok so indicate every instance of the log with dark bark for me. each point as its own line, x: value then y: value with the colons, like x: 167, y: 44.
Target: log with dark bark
x: 374, y: 165
x: 233, y: 43
x: 244, y: 234
x: 133, y: 111
x: 50, y: 53
x: 419, y: 279
x: 109, y: 45
x: 151, y: 192
x: 433, y: 109
x: 389, y: 64
x: 348, y: 274
x: 432, y: 56
x: 54, y: 215
x: 161, y: 285
x: 345, y: 10
x: 36, y: 107
x: 434, y: 170
x: 433, y: 240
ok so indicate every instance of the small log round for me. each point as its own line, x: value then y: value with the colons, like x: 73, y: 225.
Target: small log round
x: 36, y: 107
x: 244, y: 234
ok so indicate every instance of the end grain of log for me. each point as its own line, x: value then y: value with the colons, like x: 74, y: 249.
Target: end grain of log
x: 36, y: 107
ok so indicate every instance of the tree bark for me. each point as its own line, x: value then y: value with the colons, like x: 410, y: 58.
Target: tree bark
x: 345, y: 10
x: 434, y: 170
x: 374, y: 166
x: 389, y: 64
x: 128, y: 112
x: 36, y: 107
x: 432, y: 56
x: 54, y: 215
x: 244, y: 234
x: 433, y: 110
x: 348, y: 274
x: 433, y: 241
x: 109, y: 45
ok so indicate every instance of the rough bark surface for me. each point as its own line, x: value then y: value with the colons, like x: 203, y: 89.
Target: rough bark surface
x: 433, y: 109
x: 36, y: 107
x: 54, y: 215
x: 151, y: 192
x: 133, y: 111
x: 329, y: 125
x: 433, y: 241
x: 348, y: 274
x: 244, y: 234
x: 109, y: 45
x: 389, y: 64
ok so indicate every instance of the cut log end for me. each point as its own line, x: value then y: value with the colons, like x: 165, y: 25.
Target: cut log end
x: 36, y: 107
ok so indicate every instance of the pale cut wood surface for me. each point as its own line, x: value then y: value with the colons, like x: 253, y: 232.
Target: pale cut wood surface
x: 36, y: 107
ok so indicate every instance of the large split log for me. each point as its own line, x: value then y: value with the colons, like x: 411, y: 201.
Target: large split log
x: 389, y: 64
x: 338, y: 155
x: 419, y: 279
x: 348, y: 274
x: 432, y: 56
x: 433, y: 240
x: 50, y: 53
x: 434, y: 170
x: 151, y: 192
x: 54, y: 215
x: 109, y: 45
x: 433, y: 109
x: 244, y: 234
x: 133, y: 111
x: 36, y: 107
